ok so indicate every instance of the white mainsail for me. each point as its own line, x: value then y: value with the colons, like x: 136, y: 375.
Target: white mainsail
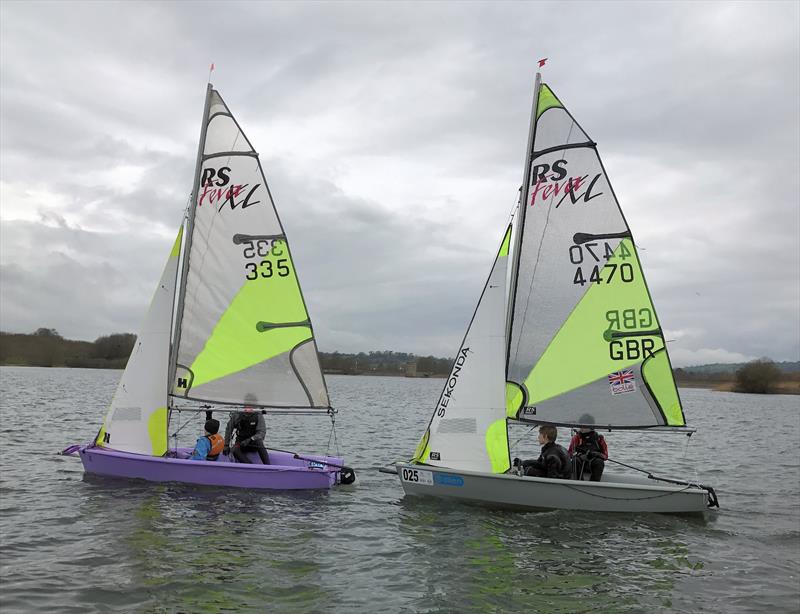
x: 584, y: 335
x: 244, y: 334
x: 137, y: 418
x: 468, y: 428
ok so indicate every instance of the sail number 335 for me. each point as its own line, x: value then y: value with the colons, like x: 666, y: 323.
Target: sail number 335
x: 269, y: 252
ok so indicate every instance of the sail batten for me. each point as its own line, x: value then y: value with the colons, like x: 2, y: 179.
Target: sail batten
x: 555, y: 148
x: 230, y: 154
x: 208, y: 403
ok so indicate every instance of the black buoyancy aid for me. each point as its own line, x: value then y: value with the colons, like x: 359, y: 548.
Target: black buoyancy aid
x: 247, y: 425
x: 589, y: 442
x: 557, y: 456
x: 217, y: 442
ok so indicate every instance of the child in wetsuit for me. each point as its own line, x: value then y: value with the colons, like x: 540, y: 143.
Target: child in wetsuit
x: 553, y: 461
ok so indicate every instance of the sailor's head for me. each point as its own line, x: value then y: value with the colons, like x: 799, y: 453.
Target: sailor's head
x: 212, y: 426
x: 249, y: 401
x: 587, y: 420
x: 547, y: 434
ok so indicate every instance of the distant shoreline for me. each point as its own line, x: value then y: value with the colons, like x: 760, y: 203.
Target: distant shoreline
x: 781, y: 387
x: 334, y: 372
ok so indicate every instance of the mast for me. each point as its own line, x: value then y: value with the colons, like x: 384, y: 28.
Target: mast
x: 523, y: 206
x: 173, y: 357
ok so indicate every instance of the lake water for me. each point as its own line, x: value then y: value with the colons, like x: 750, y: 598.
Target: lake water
x: 70, y: 542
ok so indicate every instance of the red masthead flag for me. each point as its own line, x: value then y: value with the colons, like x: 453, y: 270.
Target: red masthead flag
x: 541, y: 62
x: 212, y: 67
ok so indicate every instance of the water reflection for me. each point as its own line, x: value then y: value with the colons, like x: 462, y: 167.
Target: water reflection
x: 547, y: 561
x: 202, y: 549
x: 71, y: 542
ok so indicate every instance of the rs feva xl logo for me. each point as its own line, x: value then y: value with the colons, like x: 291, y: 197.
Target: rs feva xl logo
x: 218, y: 189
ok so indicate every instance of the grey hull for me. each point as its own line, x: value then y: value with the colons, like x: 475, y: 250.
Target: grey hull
x: 613, y: 494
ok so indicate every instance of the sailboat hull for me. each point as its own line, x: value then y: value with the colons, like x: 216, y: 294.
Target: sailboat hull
x: 285, y: 472
x: 613, y: 494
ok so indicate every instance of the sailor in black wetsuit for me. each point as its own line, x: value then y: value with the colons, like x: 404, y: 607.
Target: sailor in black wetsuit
x: 250, y: 433
x: 553, y: 462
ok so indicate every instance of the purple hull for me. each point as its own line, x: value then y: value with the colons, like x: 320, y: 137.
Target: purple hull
x: 285, y: 472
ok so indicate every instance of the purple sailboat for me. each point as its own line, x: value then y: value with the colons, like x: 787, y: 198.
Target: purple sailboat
x: 227, y: 327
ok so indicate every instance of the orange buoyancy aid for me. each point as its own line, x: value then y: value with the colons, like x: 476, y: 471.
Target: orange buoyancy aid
x: 217, y: 442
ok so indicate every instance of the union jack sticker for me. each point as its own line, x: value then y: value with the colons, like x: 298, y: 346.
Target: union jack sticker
x: 622, y: 382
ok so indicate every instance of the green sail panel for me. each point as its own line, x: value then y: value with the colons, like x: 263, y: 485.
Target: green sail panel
x: 584, y: 329
x: 547, y: 100
x: 586, y: 340
x: 657, y: 373
x: 245, y: 331
x: 266, y: 318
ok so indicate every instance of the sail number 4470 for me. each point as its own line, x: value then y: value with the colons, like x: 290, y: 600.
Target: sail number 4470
x: 588, y: 253
x: 417, y: 476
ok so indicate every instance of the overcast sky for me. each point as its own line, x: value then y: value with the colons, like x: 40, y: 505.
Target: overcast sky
x: 392, y: 136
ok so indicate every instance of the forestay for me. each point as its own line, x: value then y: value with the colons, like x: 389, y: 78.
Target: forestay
x: 468, y: 429
x: 244, y: 333
x: 584, y: 336
x: 137, y: 418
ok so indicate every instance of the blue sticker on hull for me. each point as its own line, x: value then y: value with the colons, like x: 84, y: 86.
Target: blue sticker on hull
x: 446, y: 479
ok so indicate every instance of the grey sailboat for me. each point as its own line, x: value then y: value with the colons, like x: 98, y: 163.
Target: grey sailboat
x: 565, y: 326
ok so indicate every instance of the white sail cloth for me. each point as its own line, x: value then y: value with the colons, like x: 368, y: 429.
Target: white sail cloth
x: 245, y: 334
x: 137, y: 418
x: 468, y: 428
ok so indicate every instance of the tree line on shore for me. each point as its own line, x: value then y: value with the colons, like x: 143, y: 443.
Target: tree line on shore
x: 45, y: 347
x: 761, y: 376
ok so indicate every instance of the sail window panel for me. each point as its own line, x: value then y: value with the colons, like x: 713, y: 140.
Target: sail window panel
x: 224, y: 135
x: 554, y: 272
x: 556, y: 127
x: 128, y: 413
x: 273, y: 383
x: 457, y: 425
x: 634, y: 408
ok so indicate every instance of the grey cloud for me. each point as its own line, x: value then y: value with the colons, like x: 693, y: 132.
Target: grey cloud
x: 82, y: 283
x: 694, y: 108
